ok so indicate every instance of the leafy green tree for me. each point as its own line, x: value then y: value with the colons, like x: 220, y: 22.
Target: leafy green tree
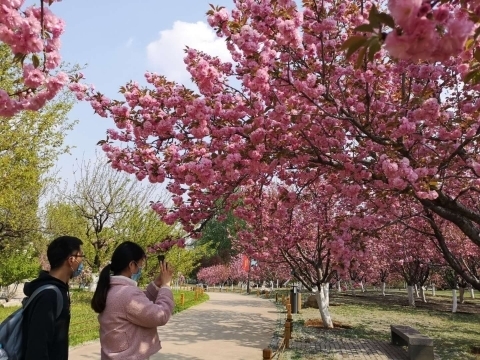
x: 143, y: 226
x: 30, y: 144
x: 105, y: 207
x: 184, y: 260
x: 17, y: 265
x: 216, y: 236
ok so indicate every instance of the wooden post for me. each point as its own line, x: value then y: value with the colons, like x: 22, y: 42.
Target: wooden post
x: 267, y: 354
x: 290, y: 320
x: 283, y: 299
x: 182, y: 299
x: 196, y: 295
x: 258, y: 293
x: 276, y: 298
x: 287, y: 335
x: 289, y: 309
x: 299, y: 301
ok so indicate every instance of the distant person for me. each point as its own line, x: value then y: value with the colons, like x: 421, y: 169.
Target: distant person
x: 128, y: 316
x: 45, y: 336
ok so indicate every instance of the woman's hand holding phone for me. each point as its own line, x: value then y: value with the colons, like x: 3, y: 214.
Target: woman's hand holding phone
x: 165, y: 276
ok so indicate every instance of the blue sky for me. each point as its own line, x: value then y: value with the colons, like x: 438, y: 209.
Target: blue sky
x: 120, y: 40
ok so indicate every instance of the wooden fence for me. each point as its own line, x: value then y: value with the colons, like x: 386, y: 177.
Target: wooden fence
x: 269, y: 354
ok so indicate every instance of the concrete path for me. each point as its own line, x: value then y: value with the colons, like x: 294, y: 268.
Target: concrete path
x: 228, y: 326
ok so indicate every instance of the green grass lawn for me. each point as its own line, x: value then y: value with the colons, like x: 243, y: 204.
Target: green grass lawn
x: 370, y: 316
x: 84, y: 324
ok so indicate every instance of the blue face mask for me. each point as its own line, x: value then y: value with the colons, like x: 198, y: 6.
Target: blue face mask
x: 78, y: 271
x: 137, y: 275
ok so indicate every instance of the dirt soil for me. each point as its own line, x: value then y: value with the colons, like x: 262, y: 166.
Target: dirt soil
x: 318, y: 323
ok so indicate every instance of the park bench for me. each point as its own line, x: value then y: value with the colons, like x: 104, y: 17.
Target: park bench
x: 420, y: 347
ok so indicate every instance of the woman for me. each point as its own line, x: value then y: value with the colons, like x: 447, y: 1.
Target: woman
x: 128, y: 316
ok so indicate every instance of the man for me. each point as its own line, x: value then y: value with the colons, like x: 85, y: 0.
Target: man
x: 45, y: 336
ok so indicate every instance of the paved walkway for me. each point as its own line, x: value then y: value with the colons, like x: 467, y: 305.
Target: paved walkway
x: 228, y: 326
x: 343, y: 348
x: 237, y: 327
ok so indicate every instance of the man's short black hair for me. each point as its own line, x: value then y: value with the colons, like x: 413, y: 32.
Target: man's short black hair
x: 61, y: 248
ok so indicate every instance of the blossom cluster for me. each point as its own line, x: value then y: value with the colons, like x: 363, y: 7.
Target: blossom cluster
x: 165, y: 245
x: 430, y: 30
x: 33, y: 35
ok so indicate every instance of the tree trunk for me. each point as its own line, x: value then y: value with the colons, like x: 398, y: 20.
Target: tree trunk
x: 362, y: 286
x: 383, y: 288
x: 472, y: 293
x: 454, y: 302
x: 416, y: 291
x: 96, y: 261
x: 462, y: 294
x: 326, y: 293
x: 323, y: 306
x: 339, y: 286
x: 433, y: 289
x: 422, y: 294
x: 411, y: 296
x: 353, y: 288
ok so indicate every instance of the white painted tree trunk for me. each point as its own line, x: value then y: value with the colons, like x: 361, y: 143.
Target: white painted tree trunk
x: 326, y: 291
x: 93, y: 284
x: 462, y: 295
x: 472, y: 293
x: 362, y: 286
x: 411, y: 296
x: 383, y: 288
x: 339, y: 286
x: 416, y: 291
x: 422, y: 294
x: 433, y: 289
x: 454, y: 301
x: 323, y: 306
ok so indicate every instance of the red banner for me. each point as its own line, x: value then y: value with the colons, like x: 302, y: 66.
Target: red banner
x: 245, y: 263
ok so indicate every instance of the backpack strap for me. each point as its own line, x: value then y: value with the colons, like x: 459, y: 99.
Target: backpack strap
x: 48, y: 287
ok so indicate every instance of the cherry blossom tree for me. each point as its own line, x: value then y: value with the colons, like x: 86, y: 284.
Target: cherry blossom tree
x: 385, y: 134
x: 380, y: 262
x: 273, y: 270
x: 217, y: 274
x: 306, y: 233
x: 414, y: 255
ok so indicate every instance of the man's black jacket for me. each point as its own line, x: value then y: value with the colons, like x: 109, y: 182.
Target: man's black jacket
x: 44, y: 336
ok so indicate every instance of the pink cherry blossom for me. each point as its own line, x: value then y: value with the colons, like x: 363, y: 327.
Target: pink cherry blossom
x: 21, y: 30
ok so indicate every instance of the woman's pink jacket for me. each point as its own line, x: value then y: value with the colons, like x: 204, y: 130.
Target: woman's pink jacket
x: 128, y: 325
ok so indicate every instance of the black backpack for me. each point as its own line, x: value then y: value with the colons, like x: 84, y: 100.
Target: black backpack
x: 11, y: 329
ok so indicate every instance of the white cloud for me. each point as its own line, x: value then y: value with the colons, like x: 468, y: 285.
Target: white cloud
x: 129, y: 42
x: 166, y: 54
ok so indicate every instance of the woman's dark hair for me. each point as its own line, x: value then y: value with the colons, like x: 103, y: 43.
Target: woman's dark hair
x: 123, y: 255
